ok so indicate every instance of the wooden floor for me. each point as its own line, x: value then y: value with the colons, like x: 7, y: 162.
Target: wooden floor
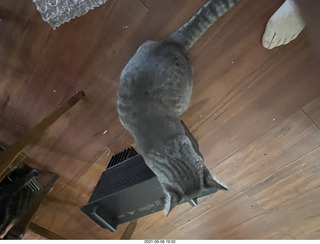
x: 255, y: 113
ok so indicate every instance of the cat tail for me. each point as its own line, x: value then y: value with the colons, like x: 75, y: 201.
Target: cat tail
x: 189, y: 33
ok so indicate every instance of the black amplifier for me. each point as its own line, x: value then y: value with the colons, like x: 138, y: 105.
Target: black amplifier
x: 128, y: 190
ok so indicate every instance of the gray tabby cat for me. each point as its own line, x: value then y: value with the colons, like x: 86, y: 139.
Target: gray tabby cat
x: 155, y: 89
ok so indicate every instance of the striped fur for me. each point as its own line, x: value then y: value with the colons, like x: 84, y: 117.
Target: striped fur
x: 189, y: 33
x: 154, y: 90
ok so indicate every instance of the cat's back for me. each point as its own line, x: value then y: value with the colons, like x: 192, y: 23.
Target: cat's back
x: 158, y: 77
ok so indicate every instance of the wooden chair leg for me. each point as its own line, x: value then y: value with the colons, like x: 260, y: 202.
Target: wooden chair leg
x: 12, y: 154
x: 129, y: 230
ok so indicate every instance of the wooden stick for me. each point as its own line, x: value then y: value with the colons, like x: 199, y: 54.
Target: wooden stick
x: 10, y: 154
x: 129, y: 230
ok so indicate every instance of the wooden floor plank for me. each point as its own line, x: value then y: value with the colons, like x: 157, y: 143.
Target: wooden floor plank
x: 23, y: 37
x: 146, y: 3
x: 312, y: 109
x: 272, y: 97
x: 236, y: 59
x: 29, y: 235
x: 99, y: 108
x: 295, y: 219
x: 291, y: 181
x: 272, y: 193
x: 289, y: 139
x: 226, y: 215
x: 284, y: 143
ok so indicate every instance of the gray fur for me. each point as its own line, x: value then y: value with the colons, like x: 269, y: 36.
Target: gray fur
x: 189, y: 33
x: 155, y: 89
